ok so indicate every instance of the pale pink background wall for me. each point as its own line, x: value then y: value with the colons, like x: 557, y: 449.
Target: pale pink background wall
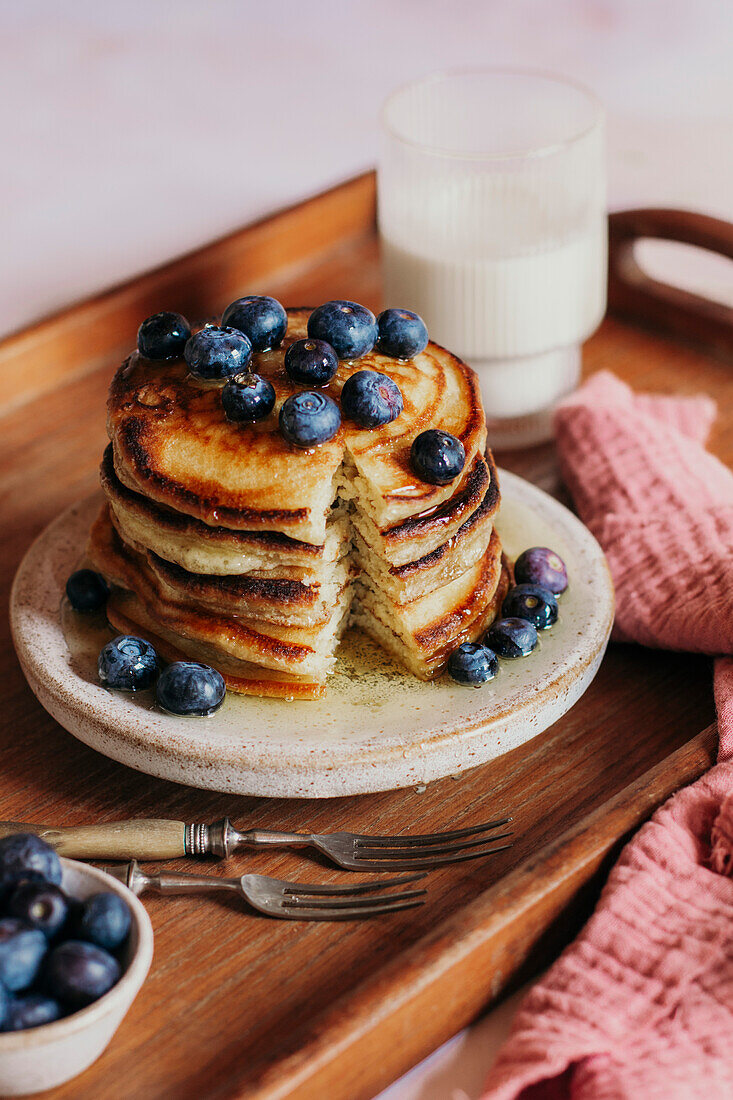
x: 134, y: 131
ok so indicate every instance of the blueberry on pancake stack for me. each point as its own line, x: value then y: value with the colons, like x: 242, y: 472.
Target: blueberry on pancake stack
x: 280, y: 477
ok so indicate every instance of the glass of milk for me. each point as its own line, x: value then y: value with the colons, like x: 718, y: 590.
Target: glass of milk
x: 492, y: 216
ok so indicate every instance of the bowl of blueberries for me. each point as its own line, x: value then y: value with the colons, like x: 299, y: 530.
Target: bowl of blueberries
x: 75, y: 948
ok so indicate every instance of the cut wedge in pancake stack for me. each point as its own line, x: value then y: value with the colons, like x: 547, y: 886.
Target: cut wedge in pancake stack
x: 226, y: 544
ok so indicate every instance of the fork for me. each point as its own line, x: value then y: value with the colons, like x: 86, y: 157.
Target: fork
x: 279, y: 898
x: 159, y: 839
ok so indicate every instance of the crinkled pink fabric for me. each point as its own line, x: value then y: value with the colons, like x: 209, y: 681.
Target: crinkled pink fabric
x: 640, y: 1006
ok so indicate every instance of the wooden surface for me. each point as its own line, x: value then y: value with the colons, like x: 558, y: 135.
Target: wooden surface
x: 240, y: 1006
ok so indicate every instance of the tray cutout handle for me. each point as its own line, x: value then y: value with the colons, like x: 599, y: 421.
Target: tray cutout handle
x: 635, y: 297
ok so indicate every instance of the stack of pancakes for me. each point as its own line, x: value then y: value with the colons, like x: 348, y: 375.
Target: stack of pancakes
x: 225, y: 544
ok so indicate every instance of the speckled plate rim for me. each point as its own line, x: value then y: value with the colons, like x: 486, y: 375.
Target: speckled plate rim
x: 180, y: 750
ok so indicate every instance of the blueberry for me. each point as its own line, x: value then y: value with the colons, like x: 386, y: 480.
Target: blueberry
x: 542, y: 566
x: 371, y: 399
x: 402, y: 333
x: 512, y: 637
x: 308, y: 418
x: 531, y: 602
x: 263, y: 320
x: 473, y: 663
x: 24, y: 857
x: 41, y: 905
x: 5, y: 1000
x: 311, y: 362
x: 188, y: 688
x: 79, y: 973
x: 349, y: 328
x: 87, y: 590
x: 105, y: 920
x: 128, y: 663
x: 33, y: 1010
x: 437, y: 457
x: 216, y: 353
x: 163, y: 336
x: 69, y: 931
x: 22, y: 950
x: 247, y: 398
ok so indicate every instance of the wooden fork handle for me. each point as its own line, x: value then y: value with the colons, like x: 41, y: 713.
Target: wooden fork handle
x: 634, y: 296
x: 144, y: 838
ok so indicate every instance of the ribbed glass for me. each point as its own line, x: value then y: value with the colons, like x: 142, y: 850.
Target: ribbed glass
x: 492, y: 214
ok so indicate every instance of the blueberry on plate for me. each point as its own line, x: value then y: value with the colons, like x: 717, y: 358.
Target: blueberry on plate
x: 163, y: 336
x: 247, y: 398
x: 22, y: 950
x: 105, y: 920
x: 540, y: 565
x: 512, y: 637
x: 349, y: 328
x: 87, y: 590
x: 437, y: 457
x: 311, y: 362
x: 402, y: 333
x: 189, y: 688
x: 473, y: 663
x: 531, y: 602
x: 371, y: 399
x: 216, y: 353
x: 42, y: 905
x: 33, y: 1010
x: 263, y: 320
x: 127, y: 663
x: 5, y: 999
x: 78, y: 973
x: 308, y: 418
x: 24, y: 857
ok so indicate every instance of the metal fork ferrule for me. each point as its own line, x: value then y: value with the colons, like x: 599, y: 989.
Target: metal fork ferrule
x: 196, y: 839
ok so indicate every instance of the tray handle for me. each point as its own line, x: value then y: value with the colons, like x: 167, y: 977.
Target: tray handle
x: 634, y: 296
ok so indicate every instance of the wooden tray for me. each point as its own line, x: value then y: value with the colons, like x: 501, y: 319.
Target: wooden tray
x: 239, y: 1006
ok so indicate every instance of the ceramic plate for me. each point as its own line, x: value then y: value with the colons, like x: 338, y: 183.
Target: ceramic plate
x: 377, y: 729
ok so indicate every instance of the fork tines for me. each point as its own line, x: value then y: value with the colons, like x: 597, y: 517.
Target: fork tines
x: 430, y: 849
x: 343, y: 902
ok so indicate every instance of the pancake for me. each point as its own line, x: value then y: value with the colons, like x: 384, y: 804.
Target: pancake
x: 305, y: 651
x: 172, y: 443
x: 405, y: 583
x: 287, y: 602
x: 196, y: 546
x: 415, y: 538
x: 128, y: 615
x: 423, y: 634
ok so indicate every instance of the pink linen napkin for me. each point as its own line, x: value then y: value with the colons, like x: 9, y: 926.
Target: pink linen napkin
x: 640, y: 1006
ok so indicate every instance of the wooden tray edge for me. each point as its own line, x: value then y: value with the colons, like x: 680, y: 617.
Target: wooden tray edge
x: 367, y: 1039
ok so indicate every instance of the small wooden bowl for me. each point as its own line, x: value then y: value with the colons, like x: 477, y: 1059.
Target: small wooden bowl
x: 47, y: 1056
